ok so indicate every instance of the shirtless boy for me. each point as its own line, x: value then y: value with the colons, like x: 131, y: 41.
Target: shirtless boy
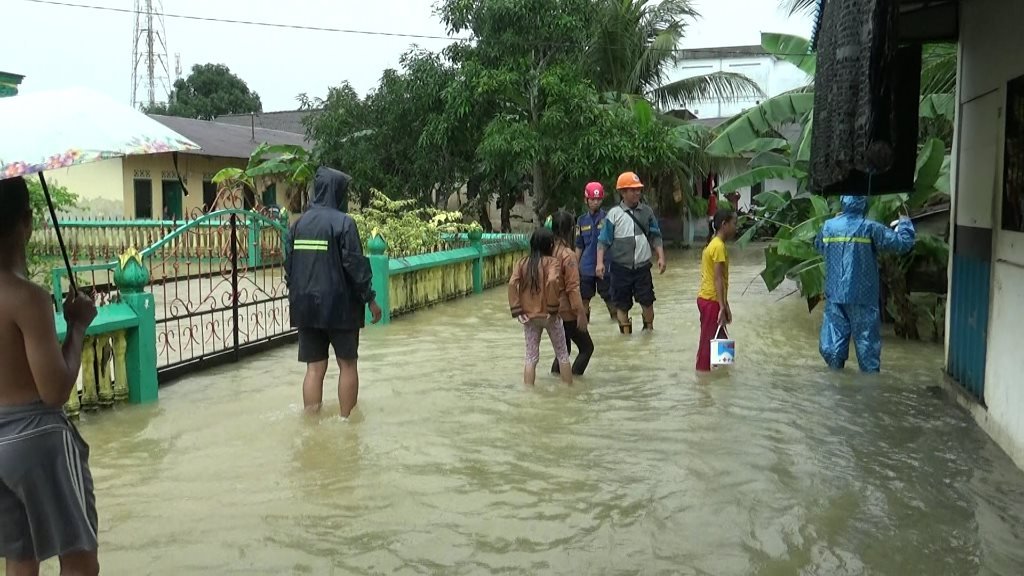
x: 47, y: 507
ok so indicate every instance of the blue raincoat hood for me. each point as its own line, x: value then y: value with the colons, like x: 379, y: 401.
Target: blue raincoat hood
x: 856, y: 205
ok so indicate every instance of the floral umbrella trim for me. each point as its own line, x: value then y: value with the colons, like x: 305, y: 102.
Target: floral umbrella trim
x: 74, y: 156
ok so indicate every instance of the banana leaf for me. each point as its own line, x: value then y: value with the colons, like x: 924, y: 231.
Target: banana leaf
x: 803, y: 150
x: 769, y: 158
x: 821, y: 208
x: 932, y: 247
x: 763, y: 120
x: 748, y: 236
x: 793, y: 49
x: 943, y: 184
x: 929, y: 167
x: 801, y: 249
x: 808, y: 229
x: 772, y: 200
x: 762, y: 145
x: 775, y: 268
x: 938, y: 106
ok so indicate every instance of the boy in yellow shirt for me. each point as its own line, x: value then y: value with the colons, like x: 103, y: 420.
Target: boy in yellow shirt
x: 713, y: 297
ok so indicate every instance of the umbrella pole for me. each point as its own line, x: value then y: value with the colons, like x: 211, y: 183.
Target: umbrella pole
x: 60, y: 238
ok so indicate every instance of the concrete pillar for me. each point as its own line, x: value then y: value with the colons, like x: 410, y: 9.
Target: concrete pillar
x: 476, y: 241
x: 131, y: 277
x: 378, y: 247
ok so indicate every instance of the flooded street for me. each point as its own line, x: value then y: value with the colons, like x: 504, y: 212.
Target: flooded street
x: 450, y: 466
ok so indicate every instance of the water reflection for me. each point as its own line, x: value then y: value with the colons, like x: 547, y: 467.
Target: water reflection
x: 775, y: 467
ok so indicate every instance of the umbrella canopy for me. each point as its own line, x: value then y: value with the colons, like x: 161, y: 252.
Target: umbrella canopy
x: 61, y: 128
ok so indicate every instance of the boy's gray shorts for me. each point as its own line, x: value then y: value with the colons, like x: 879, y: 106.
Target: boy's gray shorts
x: 47, y: 506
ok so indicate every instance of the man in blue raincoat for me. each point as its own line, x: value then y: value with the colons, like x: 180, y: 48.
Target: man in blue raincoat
x: 850, y: 243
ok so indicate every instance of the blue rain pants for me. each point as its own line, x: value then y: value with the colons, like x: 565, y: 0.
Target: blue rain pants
x: 858, y: 321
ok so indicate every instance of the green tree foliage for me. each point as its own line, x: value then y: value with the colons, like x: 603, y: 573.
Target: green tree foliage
x: 211, y: 90
x: 522, y: 106
x: 408, y: 227
x: 529, y: 64
x: 39, y: 260
x: 382, y: 140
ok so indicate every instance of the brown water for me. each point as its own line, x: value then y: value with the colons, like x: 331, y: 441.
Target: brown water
x: 450, y: 466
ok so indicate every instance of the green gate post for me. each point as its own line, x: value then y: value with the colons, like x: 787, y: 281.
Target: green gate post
x: 378, y: 248
x: 255, y: 255
x: 476, y: 241
x: 131, y: 277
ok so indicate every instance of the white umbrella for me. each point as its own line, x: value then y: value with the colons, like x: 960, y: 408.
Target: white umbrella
x: 61, y: 128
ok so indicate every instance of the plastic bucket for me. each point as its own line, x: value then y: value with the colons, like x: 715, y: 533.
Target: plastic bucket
x: 723, y: 350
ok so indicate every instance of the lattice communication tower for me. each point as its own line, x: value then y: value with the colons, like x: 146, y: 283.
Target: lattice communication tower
x: 151, y: 77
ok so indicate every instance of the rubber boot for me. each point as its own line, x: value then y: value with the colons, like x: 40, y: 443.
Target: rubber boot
x: 626, y: 328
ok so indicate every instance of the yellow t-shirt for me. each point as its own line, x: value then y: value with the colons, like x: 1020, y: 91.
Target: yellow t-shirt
x: 714, y: 252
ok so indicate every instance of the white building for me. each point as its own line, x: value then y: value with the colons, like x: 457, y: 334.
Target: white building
x: 773, y: 76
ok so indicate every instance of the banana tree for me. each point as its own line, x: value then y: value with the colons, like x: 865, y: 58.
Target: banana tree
x: 797, y: 219
x: 289, y: 165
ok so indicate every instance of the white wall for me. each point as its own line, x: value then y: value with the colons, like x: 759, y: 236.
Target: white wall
x: 774, y: 77
x: 992, y: 49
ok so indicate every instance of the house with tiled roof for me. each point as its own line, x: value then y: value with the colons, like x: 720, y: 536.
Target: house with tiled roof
x: 158, y: 186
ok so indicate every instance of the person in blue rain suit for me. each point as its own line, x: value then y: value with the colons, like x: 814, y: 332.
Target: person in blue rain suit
x: 850, y: 243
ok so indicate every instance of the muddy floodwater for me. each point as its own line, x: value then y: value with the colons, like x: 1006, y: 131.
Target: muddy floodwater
x: 450, y: 466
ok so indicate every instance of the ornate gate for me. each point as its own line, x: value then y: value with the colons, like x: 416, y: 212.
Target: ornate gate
x: 219, y: 290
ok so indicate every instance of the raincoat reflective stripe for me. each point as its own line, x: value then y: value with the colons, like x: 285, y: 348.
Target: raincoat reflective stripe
x: 847, y: 239
x: 318, y: 245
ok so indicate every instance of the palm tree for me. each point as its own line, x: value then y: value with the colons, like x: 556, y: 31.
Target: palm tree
x: 636, y: 46
x: 800, y: 6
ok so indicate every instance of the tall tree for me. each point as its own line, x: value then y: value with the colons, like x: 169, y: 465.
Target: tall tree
x: 382, y: 140
x: 636, y: 47
x: 341, y: 127
x: 529, y: 59
x: 211, y: 90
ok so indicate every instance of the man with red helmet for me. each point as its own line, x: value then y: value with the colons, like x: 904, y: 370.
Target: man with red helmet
x: 588, y: 228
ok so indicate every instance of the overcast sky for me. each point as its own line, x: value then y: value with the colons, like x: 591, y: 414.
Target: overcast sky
x: 59, y: 46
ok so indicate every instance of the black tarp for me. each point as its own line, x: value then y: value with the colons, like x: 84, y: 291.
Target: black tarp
x: 859, y: 84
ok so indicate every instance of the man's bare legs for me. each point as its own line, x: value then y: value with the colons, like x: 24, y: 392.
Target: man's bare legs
x: 79, y: 564
x: 22, y: 567
x: 313, y: 386
x: 74, y: 564
x: 348, y: 386
x: 648, y: 314
x: 625, y: 325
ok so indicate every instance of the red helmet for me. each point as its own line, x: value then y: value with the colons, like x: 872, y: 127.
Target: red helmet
x: 594, y: 191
